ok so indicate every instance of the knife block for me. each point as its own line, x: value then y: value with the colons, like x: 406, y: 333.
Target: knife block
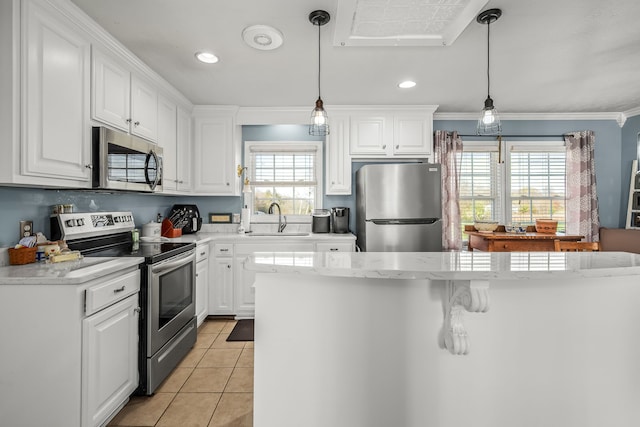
x: 169, y: 231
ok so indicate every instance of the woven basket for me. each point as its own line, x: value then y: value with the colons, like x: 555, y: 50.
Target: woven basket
x: 22, y: 256
x: 548, y: 226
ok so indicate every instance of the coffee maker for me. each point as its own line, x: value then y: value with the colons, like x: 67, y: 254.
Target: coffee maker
x: 340, y: 220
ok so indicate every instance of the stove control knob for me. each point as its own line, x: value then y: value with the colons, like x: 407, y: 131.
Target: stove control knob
x: 80, y: 222
x: 116, y: 219
x: 70, y: 222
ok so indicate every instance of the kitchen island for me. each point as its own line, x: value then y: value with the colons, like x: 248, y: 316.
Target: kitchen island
x: 446, y: 339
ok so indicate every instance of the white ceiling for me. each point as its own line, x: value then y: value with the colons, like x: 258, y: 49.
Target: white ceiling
x: 547, y: 56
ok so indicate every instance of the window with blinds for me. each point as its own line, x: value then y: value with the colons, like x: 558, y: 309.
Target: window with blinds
x: 285, y: 173
x: 537, y: 185
x: 530, y: 184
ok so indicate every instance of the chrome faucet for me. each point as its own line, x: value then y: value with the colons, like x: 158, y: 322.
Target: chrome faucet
x: 281, y: 224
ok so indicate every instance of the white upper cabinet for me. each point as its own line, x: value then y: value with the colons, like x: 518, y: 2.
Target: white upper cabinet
x: 405, y: 132
x: 55, y: 94
x: 216, y: 151
x: 111, y: 92
x: 168, y: 140
x: 122, y: 99
x: 184, y: 151
x: 338, y: 160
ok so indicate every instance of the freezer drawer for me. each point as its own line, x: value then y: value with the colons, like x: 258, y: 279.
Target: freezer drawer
x: 402, y: 237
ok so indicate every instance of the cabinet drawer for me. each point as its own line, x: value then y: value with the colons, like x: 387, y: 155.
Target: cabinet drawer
x: 223, y: 249
x: 111, y: 290
x: 334, y: 247
x: 202, y: 252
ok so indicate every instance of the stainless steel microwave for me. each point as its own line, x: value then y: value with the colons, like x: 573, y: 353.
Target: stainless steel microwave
x: 125, y: 162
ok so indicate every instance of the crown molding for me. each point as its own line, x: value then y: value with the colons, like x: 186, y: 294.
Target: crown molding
x: 620, y: 118
x: 633, y: 112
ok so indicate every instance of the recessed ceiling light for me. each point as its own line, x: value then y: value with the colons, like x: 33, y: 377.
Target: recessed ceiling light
x: 406, y: 84
x: 207, y: 57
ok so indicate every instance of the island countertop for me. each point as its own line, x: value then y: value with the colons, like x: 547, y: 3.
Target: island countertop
x: 448, y: 265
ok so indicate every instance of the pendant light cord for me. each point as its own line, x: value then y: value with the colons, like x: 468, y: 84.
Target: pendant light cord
x: 319, y: 60
x: 488, y: 58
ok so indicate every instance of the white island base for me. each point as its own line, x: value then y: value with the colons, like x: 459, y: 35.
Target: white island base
x: 550, y: 350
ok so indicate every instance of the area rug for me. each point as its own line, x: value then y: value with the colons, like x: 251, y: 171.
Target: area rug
x: 243, y: 331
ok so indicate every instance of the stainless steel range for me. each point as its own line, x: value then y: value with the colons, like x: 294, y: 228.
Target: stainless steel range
x: 167, y: 293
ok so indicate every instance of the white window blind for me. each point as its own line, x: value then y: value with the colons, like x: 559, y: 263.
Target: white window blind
x: 287, y: 174
x: 530, y: 183
x: 537, y: 185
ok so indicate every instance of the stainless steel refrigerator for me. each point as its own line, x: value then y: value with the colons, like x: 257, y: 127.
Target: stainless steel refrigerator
x: 399, y: 208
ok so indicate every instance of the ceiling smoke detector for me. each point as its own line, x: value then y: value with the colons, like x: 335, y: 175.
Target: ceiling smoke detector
x: 262, y: 37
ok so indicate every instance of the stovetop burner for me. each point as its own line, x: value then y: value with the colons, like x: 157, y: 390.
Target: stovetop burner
x: 108, y: 234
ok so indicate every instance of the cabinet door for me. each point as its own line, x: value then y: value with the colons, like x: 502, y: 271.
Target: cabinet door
x: 144, y: 109
x: 109, y: 360
x: 215, y: 160
x: 184, y: 150
x: 55, y: 125
x: 167, y: 139
x: 221, y: 290
x: 369, y: 135
x: 111, y: 92
x: 202, y: 290
x: 338, y: 163
x: 411, y: 135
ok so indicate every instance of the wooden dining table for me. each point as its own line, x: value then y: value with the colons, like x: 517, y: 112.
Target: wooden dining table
x: 516, y: 242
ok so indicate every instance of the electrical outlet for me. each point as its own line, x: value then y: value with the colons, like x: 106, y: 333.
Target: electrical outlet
x: 26, y: 229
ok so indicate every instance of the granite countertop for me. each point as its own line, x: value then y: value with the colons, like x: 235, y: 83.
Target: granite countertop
x: 449, y: 265
x: 64, y: 273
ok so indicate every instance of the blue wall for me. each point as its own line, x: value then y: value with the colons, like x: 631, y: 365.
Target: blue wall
x: 615, y: 148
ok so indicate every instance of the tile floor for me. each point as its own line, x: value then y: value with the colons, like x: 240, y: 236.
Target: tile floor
x: 211, y: 387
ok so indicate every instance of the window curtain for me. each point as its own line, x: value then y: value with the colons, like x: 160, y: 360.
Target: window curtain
x: 582, y: 202
x: 447, y: 151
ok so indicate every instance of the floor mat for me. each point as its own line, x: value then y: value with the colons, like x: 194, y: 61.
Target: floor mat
x: 243, y: 331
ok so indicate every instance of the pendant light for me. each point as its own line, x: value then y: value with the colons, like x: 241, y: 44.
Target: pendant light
x: 489, y: 122
x: 319, y: 125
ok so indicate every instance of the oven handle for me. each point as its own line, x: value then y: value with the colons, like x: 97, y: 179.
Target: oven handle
x: 173, y: 263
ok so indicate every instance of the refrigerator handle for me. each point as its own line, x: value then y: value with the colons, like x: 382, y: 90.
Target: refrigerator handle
x: 405, y: 221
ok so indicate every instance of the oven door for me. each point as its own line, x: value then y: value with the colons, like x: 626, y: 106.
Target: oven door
x: 170, y: 299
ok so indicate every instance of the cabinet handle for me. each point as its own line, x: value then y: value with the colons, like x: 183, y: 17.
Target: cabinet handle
x: 136, y: 123
x: 180, y: 182
x: 227, y: 184
x: 228, y: 265
x: 333, y: 249
x: 137, y: 310
x: 384, y: 146
x: 115, y: 291
x: 128, y: 120
x: 202, y: 253
x: 397, y: 146
x: 196, y: 274
x: 88, y: 166
x: 224, y: 250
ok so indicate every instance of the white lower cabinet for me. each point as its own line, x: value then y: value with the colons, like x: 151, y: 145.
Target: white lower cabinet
x: 109, y: 360
x: 202, y: 282
x: 221, y: 284
x: 73, y: 349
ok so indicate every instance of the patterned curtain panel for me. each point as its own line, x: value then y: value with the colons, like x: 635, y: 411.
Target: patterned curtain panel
x: 448, y: 149
x: 582, y: 202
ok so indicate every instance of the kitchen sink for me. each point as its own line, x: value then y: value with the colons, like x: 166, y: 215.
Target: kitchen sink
x: 276, y: 234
